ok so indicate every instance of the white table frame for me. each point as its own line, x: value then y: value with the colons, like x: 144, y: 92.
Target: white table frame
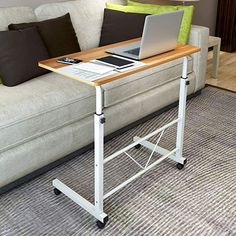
x: 176, y: 154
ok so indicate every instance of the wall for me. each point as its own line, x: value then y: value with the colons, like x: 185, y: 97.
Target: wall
x: 206, y: 14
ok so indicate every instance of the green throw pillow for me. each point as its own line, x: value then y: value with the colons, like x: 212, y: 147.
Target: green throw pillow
x: 130, y: 9
x: 156, y: 8
x: 186, y: 22
x: 136, y: 7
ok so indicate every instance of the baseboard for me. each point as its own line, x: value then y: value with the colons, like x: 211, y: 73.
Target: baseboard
x: 61, y: 161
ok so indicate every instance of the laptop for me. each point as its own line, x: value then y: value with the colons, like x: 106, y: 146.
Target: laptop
x: 160, y: 34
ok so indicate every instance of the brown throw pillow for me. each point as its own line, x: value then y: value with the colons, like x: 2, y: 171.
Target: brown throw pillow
x: 120, y: 26
x: 20, y: 52
x: 58, y: 35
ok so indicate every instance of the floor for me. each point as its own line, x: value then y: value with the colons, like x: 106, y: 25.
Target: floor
x: 199, y: 200
x: 227, y: 71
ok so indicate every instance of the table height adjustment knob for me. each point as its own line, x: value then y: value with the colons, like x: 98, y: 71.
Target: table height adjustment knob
x: 103, y: 120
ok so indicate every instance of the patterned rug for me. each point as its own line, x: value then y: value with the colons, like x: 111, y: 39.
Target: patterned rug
x: 198, y: 200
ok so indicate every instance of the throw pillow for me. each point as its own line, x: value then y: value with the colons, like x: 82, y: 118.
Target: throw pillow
x: 20, y: 52
x: 157, y: 9
x: 186, y: 21
x: 130, y: 9
x: 58, y: 35
x: 120, y: 26
x: 187, y: 17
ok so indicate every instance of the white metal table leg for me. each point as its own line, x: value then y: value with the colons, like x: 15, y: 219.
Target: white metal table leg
x: 94, y: 209
x: 178, y: 155
x: 99, y: 121
x: 181, y: 113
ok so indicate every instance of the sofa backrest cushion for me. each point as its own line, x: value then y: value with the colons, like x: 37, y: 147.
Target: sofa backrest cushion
x: 15, y: 15
x: 86, y: 17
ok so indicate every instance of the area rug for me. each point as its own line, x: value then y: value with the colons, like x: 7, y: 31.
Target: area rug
x: 197, y: 200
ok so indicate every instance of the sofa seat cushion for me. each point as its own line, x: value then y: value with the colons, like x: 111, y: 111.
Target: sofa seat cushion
x: 133, y: 85
x: 40, y: 106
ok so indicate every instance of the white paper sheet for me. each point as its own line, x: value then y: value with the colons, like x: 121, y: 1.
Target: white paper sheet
x: 82, y: 74
x: 93, y: 67
x: 76, y: 71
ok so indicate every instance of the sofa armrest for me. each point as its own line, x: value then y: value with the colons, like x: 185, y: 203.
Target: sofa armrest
x: 199, y: 37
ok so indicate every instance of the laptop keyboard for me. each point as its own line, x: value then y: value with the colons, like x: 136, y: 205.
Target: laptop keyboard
x: 134, y: 51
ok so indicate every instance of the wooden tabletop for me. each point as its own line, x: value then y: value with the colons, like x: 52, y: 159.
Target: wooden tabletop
x: 87, y: 55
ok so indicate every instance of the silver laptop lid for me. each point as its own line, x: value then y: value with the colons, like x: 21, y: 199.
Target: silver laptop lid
x: 160, y: 33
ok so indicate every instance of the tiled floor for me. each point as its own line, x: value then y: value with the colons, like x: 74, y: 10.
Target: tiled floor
x: 227, y: 71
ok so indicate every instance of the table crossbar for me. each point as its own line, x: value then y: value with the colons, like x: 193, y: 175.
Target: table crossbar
x: 139, y: 174
x: 125, y: 149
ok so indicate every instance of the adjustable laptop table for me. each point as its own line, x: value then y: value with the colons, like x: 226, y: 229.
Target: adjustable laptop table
x: 96, y: 209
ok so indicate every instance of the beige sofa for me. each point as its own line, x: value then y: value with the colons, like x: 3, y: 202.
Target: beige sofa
x: 49, y: 117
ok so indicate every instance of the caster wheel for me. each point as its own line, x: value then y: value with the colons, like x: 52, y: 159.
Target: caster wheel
x: 56, y: 191
x: 181, y: 166
x: 101, y: 225
x: 138, y: 146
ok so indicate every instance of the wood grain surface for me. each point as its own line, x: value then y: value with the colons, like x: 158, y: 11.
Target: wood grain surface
x: 87, y: 55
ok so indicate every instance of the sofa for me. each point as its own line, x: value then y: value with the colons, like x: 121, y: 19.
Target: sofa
x: 48, y: 119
